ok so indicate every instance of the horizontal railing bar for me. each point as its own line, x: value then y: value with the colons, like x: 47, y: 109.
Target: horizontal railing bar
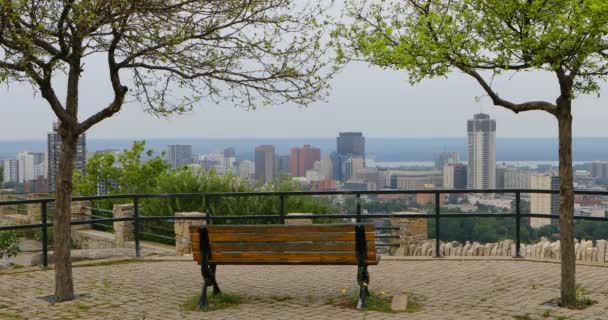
x: 300, y: 193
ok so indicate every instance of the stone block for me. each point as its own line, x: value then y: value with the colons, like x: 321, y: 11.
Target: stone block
x: 123, y: 230
x: 183, y: 245
x: 399, y: 302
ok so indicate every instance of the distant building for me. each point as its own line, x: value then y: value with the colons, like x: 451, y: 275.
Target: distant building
x: 543, y: 203
x: 359, y: 185
x: 283, y: 165
x: 38, y: 185
x: 599, y: 169
x: 515, y: 178
x: 323, y: 185
x: 229, y: 158
x: 54, y: 154
x: 415, y: 180
x: 246, y: 169
x: 446, y: 158
x: 264, y: 163
x: 31, y: 165
x: 327, y: 167
x: 351, y: 166
x: 179, y: 155
x: 302, y: 159
x: 10, y: 171
x: 336, y: 166
x: 481, y: 152
x: 351, y: 144
x: 455, y: 176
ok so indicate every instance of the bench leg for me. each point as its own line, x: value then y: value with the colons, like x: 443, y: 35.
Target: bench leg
x: 363, y: 280
x: 203, y: 302
x: 216, y: 287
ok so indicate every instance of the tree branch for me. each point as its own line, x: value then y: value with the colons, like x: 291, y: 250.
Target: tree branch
x: 515, y: 107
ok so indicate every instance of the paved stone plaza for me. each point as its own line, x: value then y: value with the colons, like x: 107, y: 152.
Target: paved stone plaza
x: 444, y: 289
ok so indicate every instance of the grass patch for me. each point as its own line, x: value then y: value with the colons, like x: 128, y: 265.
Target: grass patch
x: 82, y: 307
x: 216, y: 302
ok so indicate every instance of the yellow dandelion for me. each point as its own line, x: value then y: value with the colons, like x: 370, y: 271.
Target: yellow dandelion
x: 382, y: 293
x: 343, y: 291
x: 365, y: 284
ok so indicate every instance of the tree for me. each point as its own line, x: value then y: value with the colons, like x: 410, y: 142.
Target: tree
x: 484, y: 39
x: 173, y: 52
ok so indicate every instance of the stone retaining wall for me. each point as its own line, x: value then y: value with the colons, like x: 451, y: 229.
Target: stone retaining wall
x: 586, y: 250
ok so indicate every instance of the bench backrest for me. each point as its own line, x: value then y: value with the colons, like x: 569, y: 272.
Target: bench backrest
x: 284, y: 244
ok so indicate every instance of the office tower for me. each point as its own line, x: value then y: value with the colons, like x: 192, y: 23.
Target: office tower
x: 10, y: 171
x: 482, y: 152
x: 31, y: 165
x: 515, y: 178
x: 543, y: 203
x: 327, y: 167
x: 351, y: 144
x: 179, y: 155
x: 229, y: 158
x: 54, y: 154
x: 303, y: 159
x: 599, y: 169
x: 455, y: 176
x: 351, y: 166
x: 336, y: 166
x: 246, y: 169
x: 415, y: 180
x: 445, y: 158
x: 282, y: 165
x: 264, y: 163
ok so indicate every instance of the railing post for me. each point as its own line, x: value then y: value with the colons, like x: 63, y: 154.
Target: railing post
x: 136, y: 224
x: 282, y: 208
x: 208, y: 209
x: 358, y: 207
x: 45, y: 235
x: 517, y: 225
x: 437, y: 224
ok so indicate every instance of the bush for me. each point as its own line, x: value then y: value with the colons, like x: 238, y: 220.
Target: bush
x: 9, y: 245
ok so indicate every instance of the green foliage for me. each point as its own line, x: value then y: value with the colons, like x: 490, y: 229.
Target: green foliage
x: 9, y: 244
x: 135, y: 170
x: 216, y: 302
x: 431, y: 38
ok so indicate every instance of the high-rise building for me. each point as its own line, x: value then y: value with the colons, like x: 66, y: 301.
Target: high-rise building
x: 229, y: 158
x: 351, y: 166
x: 302, y: 159
x: 482, y: 152
x: 455, y: 176
x: 543, y: 203
x: 599, y: 169
x: 327, y: 167
x: 445, y: 158
x: 351, y: 144
x: 179, y: 155
x: 264, y: 163
x: 282, y: 165
x: 515, y: 178
x: 10, y: 171
x: 31, y: 165
x: 54, y: 154
x: 246, y: 169
x: 336, y: 166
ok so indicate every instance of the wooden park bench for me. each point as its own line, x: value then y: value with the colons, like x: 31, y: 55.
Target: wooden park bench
x: 332, y: 244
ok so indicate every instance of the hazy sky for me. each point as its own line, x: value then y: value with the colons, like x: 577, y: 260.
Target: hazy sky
x: 378, y: 102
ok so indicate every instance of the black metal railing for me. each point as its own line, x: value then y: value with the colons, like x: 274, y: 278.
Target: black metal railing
x: 359, y: 216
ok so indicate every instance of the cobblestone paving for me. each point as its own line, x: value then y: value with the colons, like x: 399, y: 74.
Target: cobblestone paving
x: 444, y: 289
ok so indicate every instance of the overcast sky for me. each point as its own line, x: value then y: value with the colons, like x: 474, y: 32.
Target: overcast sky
x: 378, y: 102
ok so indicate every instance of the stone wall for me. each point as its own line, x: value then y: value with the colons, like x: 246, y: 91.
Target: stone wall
x: 183, y: 245
x: 586, y: 250
x: 411, y: 232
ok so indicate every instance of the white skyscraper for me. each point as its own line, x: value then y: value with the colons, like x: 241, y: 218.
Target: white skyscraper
x: 481, y: 173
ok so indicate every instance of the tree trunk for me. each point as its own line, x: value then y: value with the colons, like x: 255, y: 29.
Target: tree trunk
x: 64, y: 286
x: 566, y: 206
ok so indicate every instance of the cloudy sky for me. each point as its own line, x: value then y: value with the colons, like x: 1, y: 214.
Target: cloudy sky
x: 380, y: 103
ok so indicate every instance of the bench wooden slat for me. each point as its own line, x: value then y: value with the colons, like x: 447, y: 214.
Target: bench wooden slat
x: 257, y: 229
x: 280, y: 258
x: 284, y: 247
x: 284, y: 237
